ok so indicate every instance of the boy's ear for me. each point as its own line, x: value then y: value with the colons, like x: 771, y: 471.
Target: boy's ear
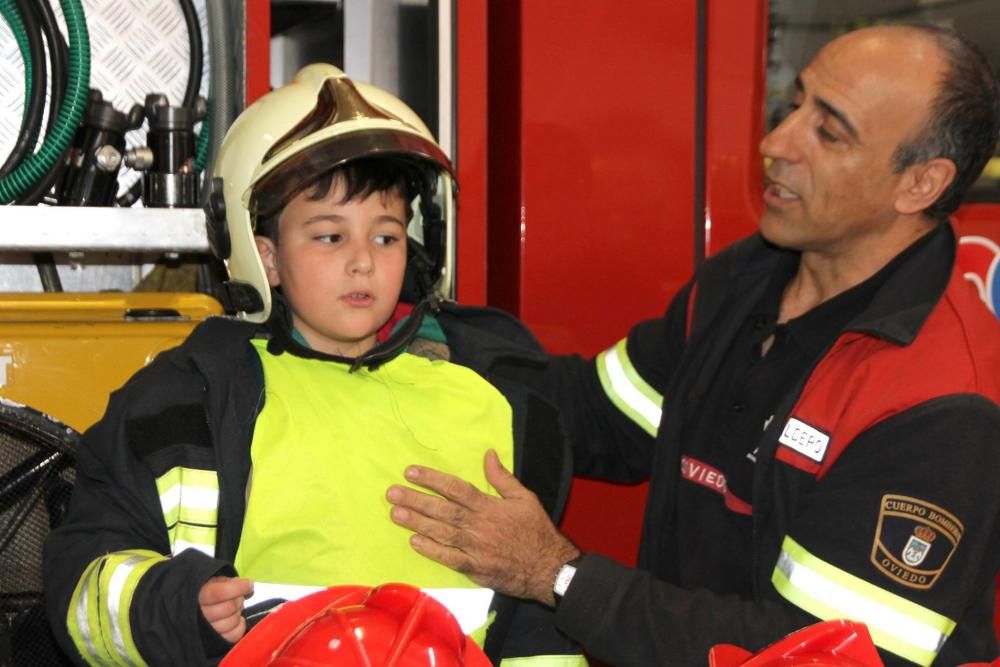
x: 269, y: 256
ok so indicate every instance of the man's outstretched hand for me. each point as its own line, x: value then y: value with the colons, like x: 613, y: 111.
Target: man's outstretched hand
x: 507, y: 543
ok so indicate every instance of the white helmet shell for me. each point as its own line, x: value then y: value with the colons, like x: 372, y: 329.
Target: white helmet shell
x: 292, y: 135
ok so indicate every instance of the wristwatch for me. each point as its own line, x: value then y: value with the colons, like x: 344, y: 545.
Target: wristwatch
x: 564, y: 577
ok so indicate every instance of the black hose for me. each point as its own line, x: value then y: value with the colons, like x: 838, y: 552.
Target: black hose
x: 59, y: 69
x: 196, y: 59
x: 45, y: 262
x: 222, y: 84
x: 31, y: 123
x: 39, y: 20
x: 195, y: 65
x: 58, y: 58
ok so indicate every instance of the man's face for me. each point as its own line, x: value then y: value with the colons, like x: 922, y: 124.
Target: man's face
x: 831, y: 177
x: 340, y: 266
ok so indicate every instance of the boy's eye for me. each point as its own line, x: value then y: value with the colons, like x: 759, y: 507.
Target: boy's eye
x: 329, y: 238
x: 386, y: 239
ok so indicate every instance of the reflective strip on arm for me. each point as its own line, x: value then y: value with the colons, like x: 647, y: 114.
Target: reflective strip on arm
x: 627, y: 390
x: 545, y: 661
x: 82, y: 608
x: 98, y: 614
x: 189, y: 498
x: 896, y: 624
x: 200, y: 538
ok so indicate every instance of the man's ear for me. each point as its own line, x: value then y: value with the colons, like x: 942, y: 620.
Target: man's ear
x: 269, y: 256
x: 923, y: 184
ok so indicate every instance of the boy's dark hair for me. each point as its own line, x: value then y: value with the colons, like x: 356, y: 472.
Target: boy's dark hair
x: 362, y: 178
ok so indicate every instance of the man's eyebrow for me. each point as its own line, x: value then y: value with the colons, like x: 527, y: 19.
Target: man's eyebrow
x: 831, y: 110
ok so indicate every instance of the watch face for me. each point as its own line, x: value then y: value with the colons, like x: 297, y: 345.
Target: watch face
x: 563, y: 579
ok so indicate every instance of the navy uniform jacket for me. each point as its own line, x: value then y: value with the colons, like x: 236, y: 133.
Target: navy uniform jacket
x: 875, y: 492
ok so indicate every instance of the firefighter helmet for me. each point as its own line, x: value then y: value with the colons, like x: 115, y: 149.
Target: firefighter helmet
x: 298, y: 132
x: 393, y: 625
x: 837, y: 643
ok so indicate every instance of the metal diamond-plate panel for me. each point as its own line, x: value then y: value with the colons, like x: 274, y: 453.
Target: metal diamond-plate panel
x: 137, y: 47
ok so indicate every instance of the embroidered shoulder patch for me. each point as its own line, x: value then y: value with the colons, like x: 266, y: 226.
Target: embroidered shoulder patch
x: 914, y: 540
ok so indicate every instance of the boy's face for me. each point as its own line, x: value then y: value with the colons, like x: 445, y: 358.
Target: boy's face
x: 340, y: 266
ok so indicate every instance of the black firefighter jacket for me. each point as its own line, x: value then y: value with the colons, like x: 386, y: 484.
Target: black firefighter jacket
x: 195, y: 406
x: 875, y: 489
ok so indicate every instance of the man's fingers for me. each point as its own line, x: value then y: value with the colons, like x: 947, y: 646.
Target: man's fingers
x: 501, y: 478
x: 444, y: 532
x: 429, y: 506
x: 448, y: 486
x: 447, y: 556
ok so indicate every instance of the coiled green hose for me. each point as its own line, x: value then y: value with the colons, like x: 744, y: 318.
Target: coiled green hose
x: 38, y: 165
x: 204, y: 141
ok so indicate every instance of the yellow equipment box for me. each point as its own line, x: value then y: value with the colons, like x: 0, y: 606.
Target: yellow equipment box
x: 64, y: 353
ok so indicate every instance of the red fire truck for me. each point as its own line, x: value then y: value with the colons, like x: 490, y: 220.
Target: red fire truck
x: 611, y: 149
x: 603, y: 150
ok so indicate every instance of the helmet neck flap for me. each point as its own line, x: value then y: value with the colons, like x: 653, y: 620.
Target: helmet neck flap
x: 279, y: 326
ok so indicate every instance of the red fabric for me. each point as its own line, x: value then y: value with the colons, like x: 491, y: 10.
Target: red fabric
x: 996, y: 616
x: 714, y: 480
x: 402, y: 310
x: 849, y: 393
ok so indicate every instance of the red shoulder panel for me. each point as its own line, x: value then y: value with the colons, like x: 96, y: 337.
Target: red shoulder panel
x: 864, y: 380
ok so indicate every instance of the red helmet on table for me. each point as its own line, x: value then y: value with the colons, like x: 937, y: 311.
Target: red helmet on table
x: 393, y: 625
x: 837, y: 643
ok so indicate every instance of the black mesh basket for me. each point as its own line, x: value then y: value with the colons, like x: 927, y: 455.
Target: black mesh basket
x: 36, y: 477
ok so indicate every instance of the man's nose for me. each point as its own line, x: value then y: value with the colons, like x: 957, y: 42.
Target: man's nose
x: 783, y: 142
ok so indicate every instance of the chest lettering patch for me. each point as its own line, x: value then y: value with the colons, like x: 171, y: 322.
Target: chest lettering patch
x: 914, y: 540
x: 805, y: 439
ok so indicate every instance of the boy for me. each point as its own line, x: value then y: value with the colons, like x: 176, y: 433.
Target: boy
x: 263, y: 447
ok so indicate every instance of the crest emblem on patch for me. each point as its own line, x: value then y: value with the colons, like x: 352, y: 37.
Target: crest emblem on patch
x: 918, y: 545
x: 914, y: 540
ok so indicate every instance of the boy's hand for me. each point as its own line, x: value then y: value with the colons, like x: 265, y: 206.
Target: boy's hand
x: 507, y: 543
x: 221, y: 600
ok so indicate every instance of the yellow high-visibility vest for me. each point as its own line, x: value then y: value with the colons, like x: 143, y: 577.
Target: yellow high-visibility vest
x: 329, y: 443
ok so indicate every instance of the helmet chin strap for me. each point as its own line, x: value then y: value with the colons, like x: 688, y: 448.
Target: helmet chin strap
x: 400, y: 339
x: 280, y: 327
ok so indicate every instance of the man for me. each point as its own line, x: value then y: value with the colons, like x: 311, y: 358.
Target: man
x: 828, y: 391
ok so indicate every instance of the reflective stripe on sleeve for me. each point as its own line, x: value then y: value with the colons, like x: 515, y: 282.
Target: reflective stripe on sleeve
x: 189, y: 498
x: 627, y: 390
x: 545, y: 661
x: 80, y: 611
x: 98, y: 614
x: 200, y: 538
x: 896, y: 624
